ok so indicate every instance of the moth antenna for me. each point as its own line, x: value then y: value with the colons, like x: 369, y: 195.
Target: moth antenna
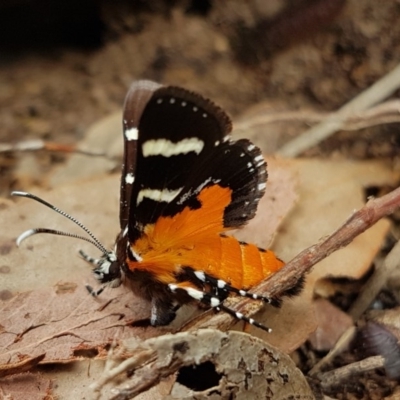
x: 31, y: 232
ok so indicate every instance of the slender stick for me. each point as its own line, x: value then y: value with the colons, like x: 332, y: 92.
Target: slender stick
x: 376, y: 93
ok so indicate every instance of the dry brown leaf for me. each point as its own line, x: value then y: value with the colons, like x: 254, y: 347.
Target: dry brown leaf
x: 331, y: 323
x: 21, y: 366
x: 26, y: 386
x: 279, y: 199
x: 67, y: 324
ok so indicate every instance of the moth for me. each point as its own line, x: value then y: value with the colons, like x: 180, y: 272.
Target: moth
x: 184, y: 185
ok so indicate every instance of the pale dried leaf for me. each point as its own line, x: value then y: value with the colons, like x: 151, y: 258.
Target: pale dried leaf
x: 67, y: 324
x: 279, y: 199
x: 26, y: 386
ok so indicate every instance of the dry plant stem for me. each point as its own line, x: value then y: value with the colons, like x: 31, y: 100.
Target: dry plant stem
x: 149, y: 376
x: 373, y: 95
x: 384, y: 113
x: 334, y: 378
x: 38, y: 144
x: 137, y: 361
x: 288, y: 276
x: 375, y: 283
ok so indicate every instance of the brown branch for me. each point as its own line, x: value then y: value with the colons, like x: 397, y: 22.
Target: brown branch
x: 335, y: 377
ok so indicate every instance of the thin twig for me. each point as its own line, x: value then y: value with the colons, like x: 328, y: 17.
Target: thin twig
x: 38, y: 144
x: 376, y: 93
x: 334, y: 378
x: 384, y: 113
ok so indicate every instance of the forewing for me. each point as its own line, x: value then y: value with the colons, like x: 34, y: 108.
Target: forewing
x: 176, y: 129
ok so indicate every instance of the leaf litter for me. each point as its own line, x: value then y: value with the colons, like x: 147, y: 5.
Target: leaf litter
x: 60, y: 320
x: 306, y: 200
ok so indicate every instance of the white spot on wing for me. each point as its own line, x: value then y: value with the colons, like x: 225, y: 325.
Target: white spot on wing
x: 197, y: 190
x: 221, y: 284
x: 214, y: 302
x: 131, y: 134
x: 166, y: 148
x: 195, y: 294
x: 172, y: 287
x: 261, y: 186
x: 129, y: 178
x: 163, y: 195
x: 200, y: 275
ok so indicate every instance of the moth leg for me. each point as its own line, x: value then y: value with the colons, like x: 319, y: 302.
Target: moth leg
x: 221, y: 285
x: 163, y: 311
x: 213, y: 301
